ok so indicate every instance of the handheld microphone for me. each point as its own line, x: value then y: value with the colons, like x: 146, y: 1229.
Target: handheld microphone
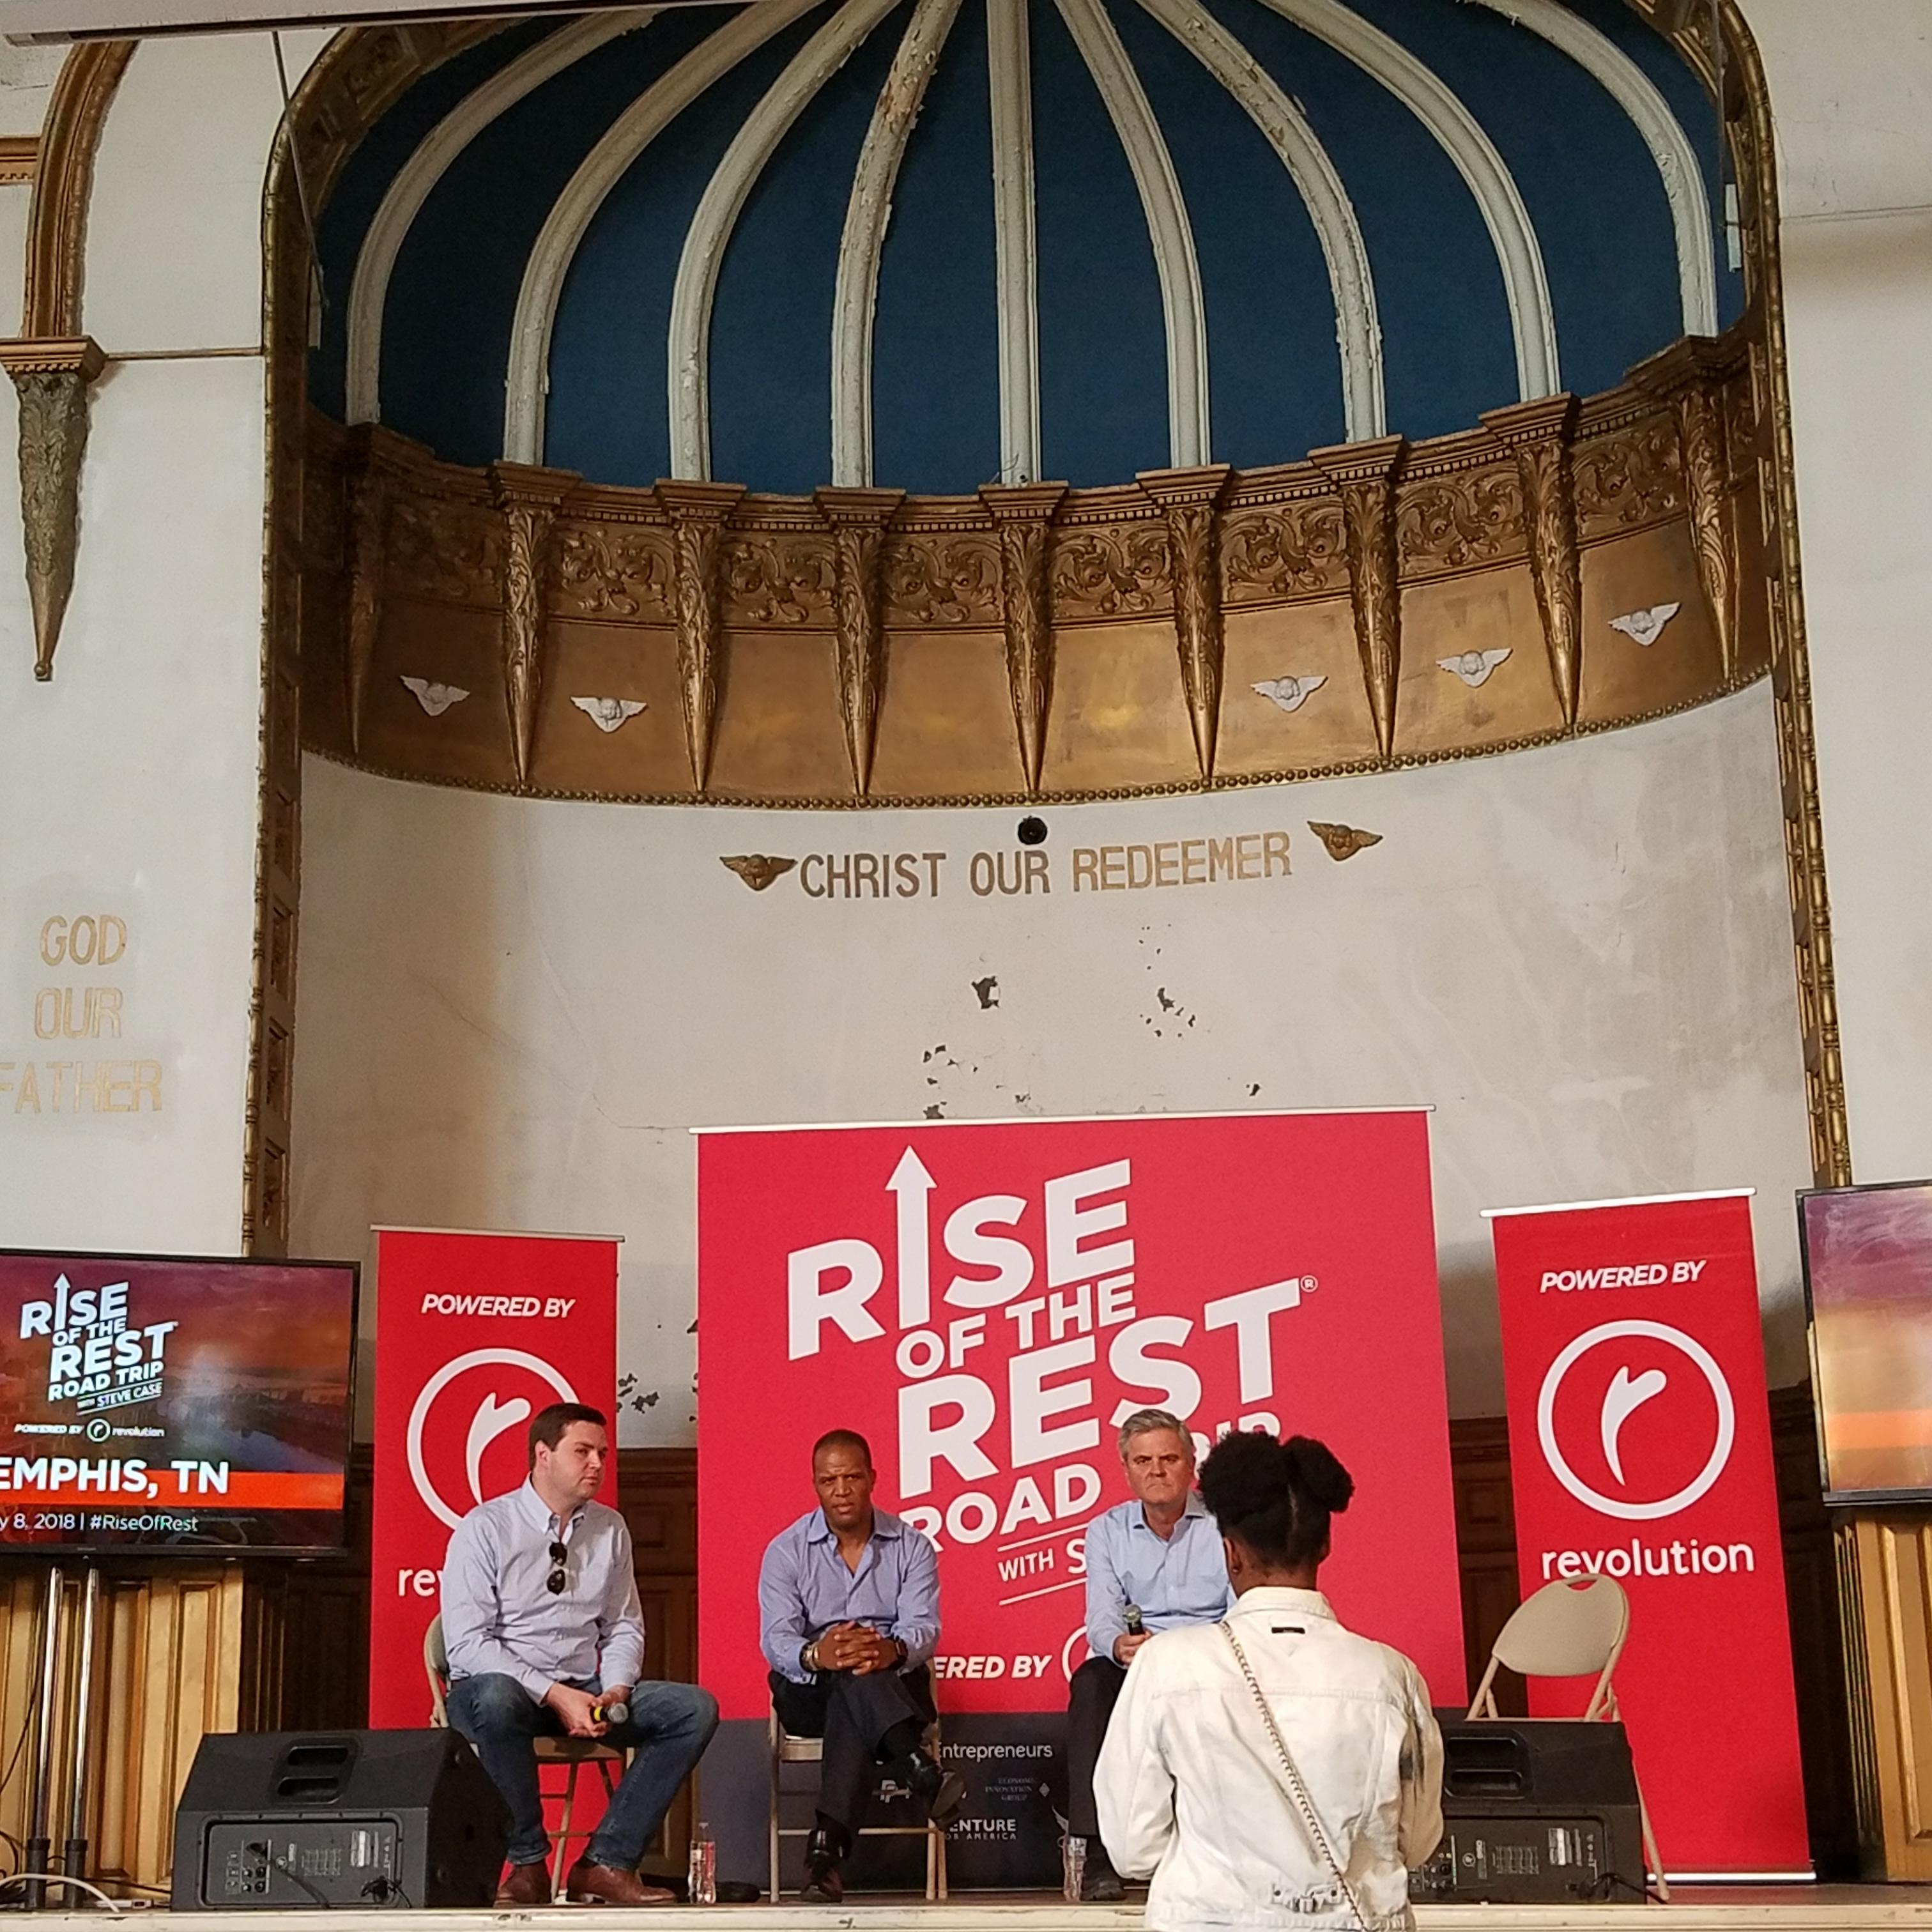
x: 609, y: 1714
x: 1135, y: 1626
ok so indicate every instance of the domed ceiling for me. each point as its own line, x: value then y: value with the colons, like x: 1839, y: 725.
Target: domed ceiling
x: 935, y: 244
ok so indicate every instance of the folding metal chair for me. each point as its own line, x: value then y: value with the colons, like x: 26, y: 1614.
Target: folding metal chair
x: 575, y: 1753
x: 1571, y: 1630
x: 786, y: 1749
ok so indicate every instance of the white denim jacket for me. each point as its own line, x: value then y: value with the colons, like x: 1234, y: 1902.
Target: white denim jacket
x: 1190, y: 1788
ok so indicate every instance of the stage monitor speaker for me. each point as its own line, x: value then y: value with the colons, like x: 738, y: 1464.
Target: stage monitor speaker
x: 271, y: 1820
x: 1535, y: 1811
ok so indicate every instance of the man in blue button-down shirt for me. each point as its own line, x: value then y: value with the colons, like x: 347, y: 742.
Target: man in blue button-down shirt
x: 848, y: 1611
x: 545, y: 1635
x: 1159, y: 1558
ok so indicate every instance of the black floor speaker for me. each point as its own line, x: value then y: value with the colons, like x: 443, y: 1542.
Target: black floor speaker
x: 272, y: 1820
x: 1535, y: 1811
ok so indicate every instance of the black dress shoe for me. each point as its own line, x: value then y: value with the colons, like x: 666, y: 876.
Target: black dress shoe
x: 941, y: 1792
x: 1100, y: 1883
x: 823, y: 1853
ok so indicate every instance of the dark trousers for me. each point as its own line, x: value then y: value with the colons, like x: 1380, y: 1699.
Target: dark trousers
x: 853, y: 1714
x: 670, y: 1726
x: 1094, y: 1692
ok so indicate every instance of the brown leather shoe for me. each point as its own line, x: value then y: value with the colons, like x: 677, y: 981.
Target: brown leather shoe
x: 606, y: 1884
x: 526, y: 1885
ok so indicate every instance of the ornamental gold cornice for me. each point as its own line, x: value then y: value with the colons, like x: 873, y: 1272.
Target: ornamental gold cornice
x: 858, y: 518
x: 1364, y: 476
x: 698, y: 514
x: 943, y: 577
x: 53, y: 377
x: 1022, y: 515
x: 1189, y: 501
x: 1538, y: 433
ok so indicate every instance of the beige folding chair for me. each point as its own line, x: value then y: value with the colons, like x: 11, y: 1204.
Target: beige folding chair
x: 785, y: 1749
x: 575, y: 1753
x: 1571, y: 1630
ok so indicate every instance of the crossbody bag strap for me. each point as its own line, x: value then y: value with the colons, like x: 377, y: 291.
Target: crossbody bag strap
x: 1311, y: 1819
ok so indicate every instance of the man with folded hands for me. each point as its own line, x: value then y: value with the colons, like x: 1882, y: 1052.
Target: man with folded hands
x: 848, y: 1604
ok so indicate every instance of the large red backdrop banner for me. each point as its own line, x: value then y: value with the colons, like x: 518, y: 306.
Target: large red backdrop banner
x: 475, y: 1334
x: 986, y: 1300
x: 1640, y: 1449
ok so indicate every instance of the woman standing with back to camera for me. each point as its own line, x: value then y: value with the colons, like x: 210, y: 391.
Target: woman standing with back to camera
x: 1274, y: 1769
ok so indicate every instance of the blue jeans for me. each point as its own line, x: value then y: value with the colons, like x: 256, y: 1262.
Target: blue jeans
x: 669, y: 1727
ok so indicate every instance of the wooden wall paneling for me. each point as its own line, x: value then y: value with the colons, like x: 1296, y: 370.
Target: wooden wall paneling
x: 1888, y: 1560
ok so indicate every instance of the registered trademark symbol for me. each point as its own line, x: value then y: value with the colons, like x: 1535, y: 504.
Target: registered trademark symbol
x: 1308, y: 1284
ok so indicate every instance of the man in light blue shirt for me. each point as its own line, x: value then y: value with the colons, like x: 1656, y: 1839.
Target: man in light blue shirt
x: 1153, y: 1564
x: 848, y: 1615
x: 545, y: 1636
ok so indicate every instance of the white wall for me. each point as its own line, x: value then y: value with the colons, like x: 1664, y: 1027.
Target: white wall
x: 129, y: 784
x: 511, y: 1012
x: 1851, y: 87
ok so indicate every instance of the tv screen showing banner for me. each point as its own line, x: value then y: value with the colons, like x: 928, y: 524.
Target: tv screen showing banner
x: 165, y: 1403
x: 1868, y: 1277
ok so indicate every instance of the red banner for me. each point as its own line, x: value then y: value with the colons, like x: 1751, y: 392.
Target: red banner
x: 1640, y: 1449
x: 985, y: 1301
x: 475, y: 1334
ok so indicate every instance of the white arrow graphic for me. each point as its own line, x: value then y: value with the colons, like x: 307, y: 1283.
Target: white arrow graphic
x: 1626, y: 1394
x: 491, y: 1419
x: 914, y: 1186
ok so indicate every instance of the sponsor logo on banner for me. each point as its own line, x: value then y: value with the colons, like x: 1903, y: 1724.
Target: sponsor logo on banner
x: 475, y: 1334
x: 1633, y: 1363
x: 988, y: 1302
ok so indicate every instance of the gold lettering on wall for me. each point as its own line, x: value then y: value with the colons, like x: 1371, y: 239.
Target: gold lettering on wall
x: 98, y: 942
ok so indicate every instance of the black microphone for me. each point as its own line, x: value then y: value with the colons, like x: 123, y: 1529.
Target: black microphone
x: 1135, y: 1627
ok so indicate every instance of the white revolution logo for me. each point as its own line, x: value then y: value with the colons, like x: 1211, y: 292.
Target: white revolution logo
x: 1626, y: 1394
x: 494, y: 1415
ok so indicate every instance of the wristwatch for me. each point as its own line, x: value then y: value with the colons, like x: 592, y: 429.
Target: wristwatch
x: 809, y: 1658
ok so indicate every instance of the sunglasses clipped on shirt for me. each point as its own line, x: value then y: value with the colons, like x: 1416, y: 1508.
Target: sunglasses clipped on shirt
x: 555, y: 1582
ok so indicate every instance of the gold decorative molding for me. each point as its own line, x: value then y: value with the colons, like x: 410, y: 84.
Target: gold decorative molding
x: 1189, y: 500
x: 368, y: 518
x: 63, y: 185
x: 1692, y: 377
x: 528, y: 498
x: 1363, y: 474
x: 698, y: 513
x: 1751, y: 139
x: 859, y: 518
x: 1537, y: 433
x: 19, y: 159
x: 52, y: 379
x: 1022, y: 514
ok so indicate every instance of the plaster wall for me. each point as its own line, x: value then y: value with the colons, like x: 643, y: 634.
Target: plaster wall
x: 128, y: 790
x: 127, y: 793
x: 1851, y: 87
x: 511, y: 1011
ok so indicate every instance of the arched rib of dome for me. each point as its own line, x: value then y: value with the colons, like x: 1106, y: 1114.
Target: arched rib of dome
x: 418, y: 175
x: 1456, y: 131
x: 1016, y: 252
x: 621, y: 143
x: 689, y: 354
x: 1639, y: 98
x: 1358, y: 333
x: 1174, y: 259
x: 867, y: 213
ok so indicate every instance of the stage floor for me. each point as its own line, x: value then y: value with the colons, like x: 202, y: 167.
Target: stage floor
x: 1693, y: 1909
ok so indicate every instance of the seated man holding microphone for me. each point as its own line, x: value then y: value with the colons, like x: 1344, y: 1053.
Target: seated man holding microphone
x: 1153, y: 1563
x: 848, y: 1610
x: 545, y: 1636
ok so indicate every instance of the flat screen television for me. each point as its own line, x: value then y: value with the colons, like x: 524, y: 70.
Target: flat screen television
x: 162, y: 1403
x: 1867, y: 1253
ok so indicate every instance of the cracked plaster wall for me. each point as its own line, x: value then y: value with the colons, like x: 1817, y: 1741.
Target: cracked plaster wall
x: 511, y: 1013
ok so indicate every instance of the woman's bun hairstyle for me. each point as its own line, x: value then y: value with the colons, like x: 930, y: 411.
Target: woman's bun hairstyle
x: 1276, y: 1497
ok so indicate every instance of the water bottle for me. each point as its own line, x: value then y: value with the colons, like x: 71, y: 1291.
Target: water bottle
x: 703, y: 1873
x: 1072, y: 1867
